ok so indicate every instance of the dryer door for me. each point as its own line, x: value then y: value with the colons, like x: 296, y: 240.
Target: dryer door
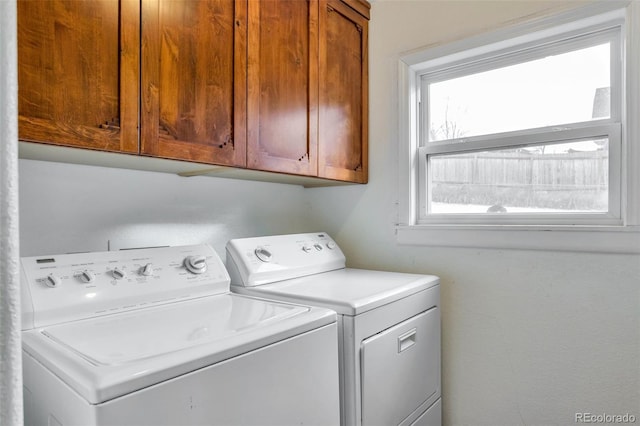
x: 400, y: 369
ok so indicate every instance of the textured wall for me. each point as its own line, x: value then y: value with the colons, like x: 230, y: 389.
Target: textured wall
x: 529, y: 337
x: 10, y: 349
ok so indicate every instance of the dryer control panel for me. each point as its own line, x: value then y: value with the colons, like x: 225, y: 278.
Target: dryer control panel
x: 69, y: 287
x: 263, y: 260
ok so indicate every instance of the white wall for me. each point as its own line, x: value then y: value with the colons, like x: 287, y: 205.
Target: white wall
x: 529, y: 337
x: 70, y: 208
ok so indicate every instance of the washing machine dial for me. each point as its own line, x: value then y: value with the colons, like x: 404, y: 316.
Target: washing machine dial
x: 196, y: 264
x: 118, y: 273
x: 263, y: 254
x: 52, y: 281
x: 86, y: 276
x: 147, y: 270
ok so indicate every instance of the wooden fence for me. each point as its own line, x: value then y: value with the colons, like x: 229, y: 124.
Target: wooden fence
x: 579, y: 179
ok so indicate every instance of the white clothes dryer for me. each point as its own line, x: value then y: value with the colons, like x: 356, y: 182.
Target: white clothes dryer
x: 388, y: 322
x: 154, y: 337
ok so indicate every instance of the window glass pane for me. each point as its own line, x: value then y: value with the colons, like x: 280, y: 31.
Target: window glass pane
x: 565, y: 88
x: 567, y: 178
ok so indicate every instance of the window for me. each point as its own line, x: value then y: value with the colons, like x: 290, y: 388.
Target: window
x: 522, y: 127
x: 530, y: 133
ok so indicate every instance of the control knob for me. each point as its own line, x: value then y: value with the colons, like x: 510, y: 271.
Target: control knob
x: 147, y: 270
x: 196, y: 264
x: 263, y: 254
x: 52, y: 281
x: 117, y: 273
x: 86, y: 276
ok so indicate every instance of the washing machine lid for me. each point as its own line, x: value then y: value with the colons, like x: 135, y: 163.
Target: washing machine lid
x: 347, y: 291
x: 110, y: 356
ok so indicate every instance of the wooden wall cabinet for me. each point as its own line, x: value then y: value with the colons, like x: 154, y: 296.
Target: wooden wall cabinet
x: 274, y: 85
x: 194, y: 80
x: 344, y: 92
x: 78, y: 68
x: 307, y: 87
x: 282, y: 113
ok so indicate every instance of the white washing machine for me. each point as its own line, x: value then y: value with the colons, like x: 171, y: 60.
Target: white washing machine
x: 388, y: 323
x: 154, y: 337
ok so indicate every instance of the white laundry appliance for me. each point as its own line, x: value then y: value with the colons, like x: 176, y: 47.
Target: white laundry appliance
x: 154, y: 337
x: 388, y: 323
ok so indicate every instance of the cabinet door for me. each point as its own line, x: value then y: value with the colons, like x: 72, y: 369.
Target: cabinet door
x: 283, y: 86
x: 78, y: 73
x: 343, y: 115
x: 194, y: 80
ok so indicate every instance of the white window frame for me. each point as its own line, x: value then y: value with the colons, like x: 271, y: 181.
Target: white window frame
x: 615, y: 231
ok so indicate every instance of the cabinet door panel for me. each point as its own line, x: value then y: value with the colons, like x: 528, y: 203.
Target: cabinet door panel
x: 282, y: 81
x: 194, y: 80
x: 343, y: 115
x: 78, y: 73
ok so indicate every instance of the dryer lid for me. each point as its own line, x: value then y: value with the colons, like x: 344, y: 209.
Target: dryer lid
x: 106, y: 357
x: 347, y: 291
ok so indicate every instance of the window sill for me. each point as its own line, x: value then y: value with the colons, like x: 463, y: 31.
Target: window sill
x: 590, y: 239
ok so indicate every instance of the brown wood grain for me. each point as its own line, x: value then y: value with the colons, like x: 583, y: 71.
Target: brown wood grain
x: 363, y: 7
x: 343, y: 111
x: 276, y: 85
x: 73, y: 60
x: 190, y: 71
x: 283, y: 86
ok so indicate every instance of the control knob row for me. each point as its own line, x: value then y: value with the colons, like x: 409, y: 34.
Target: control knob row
x: 265, y: 255
x: 54, y: 281
x: 194, y: 264
x: 87, y: 276
x: 307, y: 248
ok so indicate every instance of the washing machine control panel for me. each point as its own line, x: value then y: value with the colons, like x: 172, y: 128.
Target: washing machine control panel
x: 74, y: 286
x: 262, y: 260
